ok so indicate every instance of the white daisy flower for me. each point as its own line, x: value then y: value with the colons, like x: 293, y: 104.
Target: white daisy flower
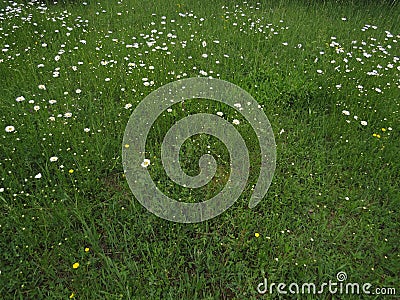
x: 20, y: 99
x: 145, y: 163
x: 10, y: 128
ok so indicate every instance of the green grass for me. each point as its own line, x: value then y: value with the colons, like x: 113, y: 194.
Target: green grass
x: 334, y: 200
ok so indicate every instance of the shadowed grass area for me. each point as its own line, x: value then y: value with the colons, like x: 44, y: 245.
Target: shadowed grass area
x: 327, y: 76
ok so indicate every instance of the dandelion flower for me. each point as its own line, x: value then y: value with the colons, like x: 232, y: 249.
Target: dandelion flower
x: 71, y: 171
x: 72, y: 296
x: 145, y: 163
x: 75, y: 265
x: 87, y: 249
x: 257, y: 234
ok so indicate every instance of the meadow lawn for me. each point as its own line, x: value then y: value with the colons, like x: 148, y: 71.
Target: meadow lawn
x: 326, y: 74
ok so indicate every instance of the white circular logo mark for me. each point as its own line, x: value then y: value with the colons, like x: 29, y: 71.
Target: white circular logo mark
x: 152, y: 106
x: 341, y: 276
